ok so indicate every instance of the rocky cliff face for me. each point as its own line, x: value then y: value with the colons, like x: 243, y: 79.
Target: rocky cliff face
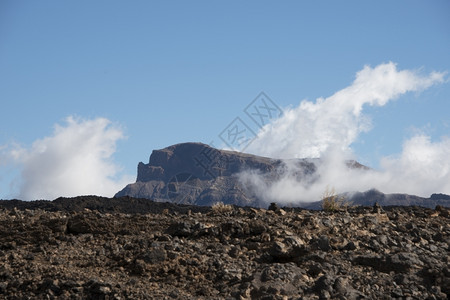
x: 195, y: 173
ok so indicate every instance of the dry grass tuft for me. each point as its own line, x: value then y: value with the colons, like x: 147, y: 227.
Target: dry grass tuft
x: 332, y: 202
x: 220, y: 208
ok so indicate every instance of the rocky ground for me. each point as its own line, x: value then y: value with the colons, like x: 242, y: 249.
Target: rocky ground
x: 223, y: 253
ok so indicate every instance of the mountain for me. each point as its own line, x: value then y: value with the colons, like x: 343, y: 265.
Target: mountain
x: 195, y: 173
x: 198, y: 174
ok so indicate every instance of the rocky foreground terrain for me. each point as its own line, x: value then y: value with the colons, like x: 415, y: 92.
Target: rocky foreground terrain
x: 224, y: 252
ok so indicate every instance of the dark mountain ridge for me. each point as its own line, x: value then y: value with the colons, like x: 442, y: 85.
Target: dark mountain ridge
x: 370, y: 197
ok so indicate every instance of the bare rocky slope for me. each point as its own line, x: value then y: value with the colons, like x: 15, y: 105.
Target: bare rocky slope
x: 100, y: 248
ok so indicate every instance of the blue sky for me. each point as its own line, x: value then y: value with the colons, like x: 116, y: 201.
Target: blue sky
x: 165, y: 72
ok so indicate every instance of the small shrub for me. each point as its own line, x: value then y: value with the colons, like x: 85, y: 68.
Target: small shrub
x: 332, y: 202
x: 220, y: 208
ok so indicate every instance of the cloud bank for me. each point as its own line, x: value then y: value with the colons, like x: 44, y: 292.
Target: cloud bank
x: 326, y: 129
x: 75, y: 160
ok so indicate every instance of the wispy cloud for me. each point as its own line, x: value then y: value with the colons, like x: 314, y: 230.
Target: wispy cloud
x: 327, y: 127
x: 312, y: 128
x: 75, y: 160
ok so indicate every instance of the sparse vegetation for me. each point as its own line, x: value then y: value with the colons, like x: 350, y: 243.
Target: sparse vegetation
x: 331, y: 201
x: 220, y: 208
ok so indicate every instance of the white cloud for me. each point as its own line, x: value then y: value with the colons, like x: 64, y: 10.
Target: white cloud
x: 75, y: 160
x: 312, y: 128
x: 423, y: 167
x: 327, y: 128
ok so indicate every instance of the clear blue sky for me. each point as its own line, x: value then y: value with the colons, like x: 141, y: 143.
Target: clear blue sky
x: 175, y: 71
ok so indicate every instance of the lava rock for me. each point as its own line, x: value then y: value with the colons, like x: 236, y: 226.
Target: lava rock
x: 250, y: 253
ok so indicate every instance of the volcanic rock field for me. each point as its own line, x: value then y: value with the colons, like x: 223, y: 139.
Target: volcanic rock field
x: 86, y: 248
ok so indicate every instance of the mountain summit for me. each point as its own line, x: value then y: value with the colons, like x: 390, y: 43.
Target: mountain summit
x: 198, y: 174
x: 195, y: 173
